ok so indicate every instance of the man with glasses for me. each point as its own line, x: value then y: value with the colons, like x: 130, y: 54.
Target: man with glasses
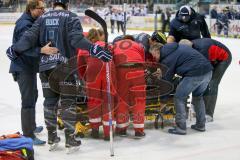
x: 24, y: 70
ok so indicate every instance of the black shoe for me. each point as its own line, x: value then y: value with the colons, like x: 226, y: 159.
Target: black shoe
x: 177, y: 131
x: 70, y: 139
x: 122, y: 133
x: 198, y: 128
x: 139, y: 135
x: 95, y: 133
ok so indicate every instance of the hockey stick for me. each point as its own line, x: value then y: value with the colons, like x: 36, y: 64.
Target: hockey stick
x: 101, y: 21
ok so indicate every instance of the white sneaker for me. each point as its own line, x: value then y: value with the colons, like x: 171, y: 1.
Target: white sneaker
x: 209, y: 118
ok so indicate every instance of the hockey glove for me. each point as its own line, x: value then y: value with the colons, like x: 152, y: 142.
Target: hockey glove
x: 99, y: 52
x: 12, y: 55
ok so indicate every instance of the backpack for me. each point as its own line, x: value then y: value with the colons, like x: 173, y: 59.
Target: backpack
x: 16, y: 147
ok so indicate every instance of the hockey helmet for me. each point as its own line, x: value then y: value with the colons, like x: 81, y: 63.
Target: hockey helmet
x: 64, y: 2
x: 159, y: 37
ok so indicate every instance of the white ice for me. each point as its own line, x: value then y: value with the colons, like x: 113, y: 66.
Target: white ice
x: 221, y: 141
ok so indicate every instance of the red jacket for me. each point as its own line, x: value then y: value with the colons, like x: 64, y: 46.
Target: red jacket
x: 90, y: 64
x: 126, y: 51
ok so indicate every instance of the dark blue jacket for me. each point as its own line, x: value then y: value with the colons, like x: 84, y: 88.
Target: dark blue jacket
x: 60, y: 27
x: 183, y: 60
x: 212, y: 49
x: 28, y: 61
x: 191, y: 30
x: 222, y: 19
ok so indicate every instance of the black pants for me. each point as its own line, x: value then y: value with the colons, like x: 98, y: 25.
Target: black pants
x: 210, y: 95
x: 223, y: 27
x: 55, y: 91
x: 120, y: 24
x: 112, y: 25
x: 164, y: 25
x: 27, y: 83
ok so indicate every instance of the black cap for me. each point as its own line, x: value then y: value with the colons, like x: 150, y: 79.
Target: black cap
x: 185, y: 11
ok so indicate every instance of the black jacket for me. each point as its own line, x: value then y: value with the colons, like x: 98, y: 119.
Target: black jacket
x: 63, y: 29
x: 212, y: 49
x: 191, y: 30
x: 183, y: 60
x: 143, y: 38
x: 28, y: 61
x: 222, y: 19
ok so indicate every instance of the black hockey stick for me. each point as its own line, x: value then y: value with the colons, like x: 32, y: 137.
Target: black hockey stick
x: 102, y: 22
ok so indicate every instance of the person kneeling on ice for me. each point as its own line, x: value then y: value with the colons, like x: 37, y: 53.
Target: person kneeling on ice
x: 94, y: 72
x: 58, y: 70
x: 196, y: 72
x: 220, y: 57
x: 128, y: 56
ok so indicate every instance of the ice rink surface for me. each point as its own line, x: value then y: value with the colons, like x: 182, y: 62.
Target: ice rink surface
x: 221, y: 141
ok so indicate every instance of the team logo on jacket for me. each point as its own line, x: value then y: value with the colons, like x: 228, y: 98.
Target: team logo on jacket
x: 56, y: 58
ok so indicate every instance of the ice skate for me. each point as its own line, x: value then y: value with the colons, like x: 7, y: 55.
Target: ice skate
x: 72, y: 144
x: 53, y: 140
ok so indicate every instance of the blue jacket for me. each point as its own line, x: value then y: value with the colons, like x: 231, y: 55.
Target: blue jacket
x: 183, y: 60
x: 60, y: 27
x: 28, y: 61
x: 16, y: 143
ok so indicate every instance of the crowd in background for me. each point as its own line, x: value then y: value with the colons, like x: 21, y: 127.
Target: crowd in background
x: 223, y: 18
x: 8, y: 4
x: 138, y: 10
x: 230, y: 12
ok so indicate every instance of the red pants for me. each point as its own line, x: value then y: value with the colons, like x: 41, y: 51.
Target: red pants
x: 97, y: 94
x: 131, y: 89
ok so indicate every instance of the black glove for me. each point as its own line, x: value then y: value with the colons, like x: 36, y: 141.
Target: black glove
x: 12, y: 55
x: 99, y: 52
